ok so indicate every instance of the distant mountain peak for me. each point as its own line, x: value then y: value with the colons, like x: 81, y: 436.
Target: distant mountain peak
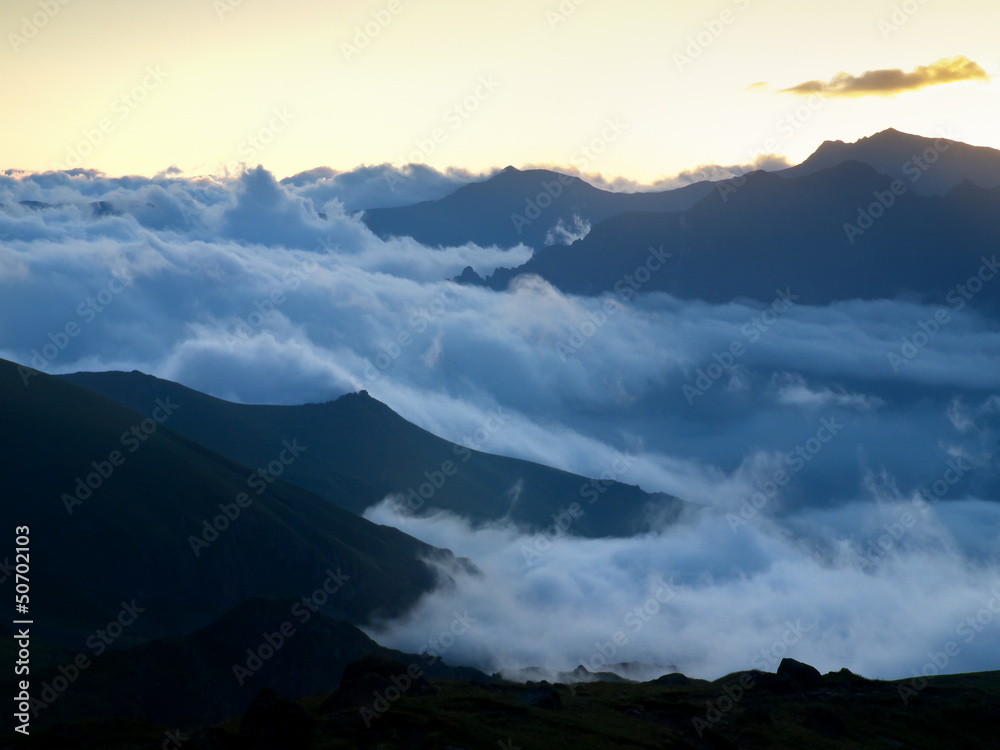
x: 519, y: 206
x: 929, y: 165
x: 889, y: 131
x: 469, y: 277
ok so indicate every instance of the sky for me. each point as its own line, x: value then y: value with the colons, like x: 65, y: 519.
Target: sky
x: 205, y: 85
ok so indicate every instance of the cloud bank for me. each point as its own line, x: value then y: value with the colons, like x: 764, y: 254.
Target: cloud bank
x: 876, y: 586
x: 791, y: 457
x: 380, y: 185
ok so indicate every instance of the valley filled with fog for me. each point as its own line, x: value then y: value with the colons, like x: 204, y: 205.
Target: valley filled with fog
x: 836, y: 462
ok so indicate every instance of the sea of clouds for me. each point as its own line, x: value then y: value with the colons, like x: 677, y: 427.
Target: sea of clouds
x: 838, y: 500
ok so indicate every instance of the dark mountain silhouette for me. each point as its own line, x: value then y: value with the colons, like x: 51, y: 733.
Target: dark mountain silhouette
x: 929, y: 166
x: 216, y: 671
x: 517, y: 206
x: 840, y: 233
x: 360, y: 451
x: 795, y: 708
x: 117, y: 524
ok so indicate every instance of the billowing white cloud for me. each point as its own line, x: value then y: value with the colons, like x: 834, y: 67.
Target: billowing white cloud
x: 883, y: 586
x: 380, y: 185
x: 792, y: 390
x: 258, y: 291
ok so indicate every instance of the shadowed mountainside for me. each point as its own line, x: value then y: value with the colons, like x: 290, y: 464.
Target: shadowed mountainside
x: 360, y: 451
x: 515, y: 206
x: 115, y: 500
x: 770, y: 232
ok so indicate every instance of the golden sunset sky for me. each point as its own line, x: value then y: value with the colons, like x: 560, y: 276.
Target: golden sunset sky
x: 135, y: 87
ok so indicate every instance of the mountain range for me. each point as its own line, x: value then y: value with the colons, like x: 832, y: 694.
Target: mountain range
x: 942, y: 163
x: 195, y: 560
x: 863, y: 220
x: 199, y: 507
x: 833, y: 235
x: 129, y: 509
x: 515, y: 207
x: 360, y: 452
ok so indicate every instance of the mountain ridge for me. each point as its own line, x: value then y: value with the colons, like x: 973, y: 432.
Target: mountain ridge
x: 938, y: 164
x: 209, y: 532
x: 520, y: 207
x: 748, y: 239
x: 362, y: 451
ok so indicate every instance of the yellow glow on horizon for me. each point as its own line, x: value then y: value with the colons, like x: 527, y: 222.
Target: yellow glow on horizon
x: 396, y: 97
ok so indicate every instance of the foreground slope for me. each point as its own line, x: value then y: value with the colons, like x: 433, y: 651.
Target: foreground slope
x: 115, y: 503
x: 360, y: 451
x: 215, y: 672
x: 743, y: 710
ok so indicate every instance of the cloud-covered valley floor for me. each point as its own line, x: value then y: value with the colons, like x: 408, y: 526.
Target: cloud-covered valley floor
x: 840, y: 480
